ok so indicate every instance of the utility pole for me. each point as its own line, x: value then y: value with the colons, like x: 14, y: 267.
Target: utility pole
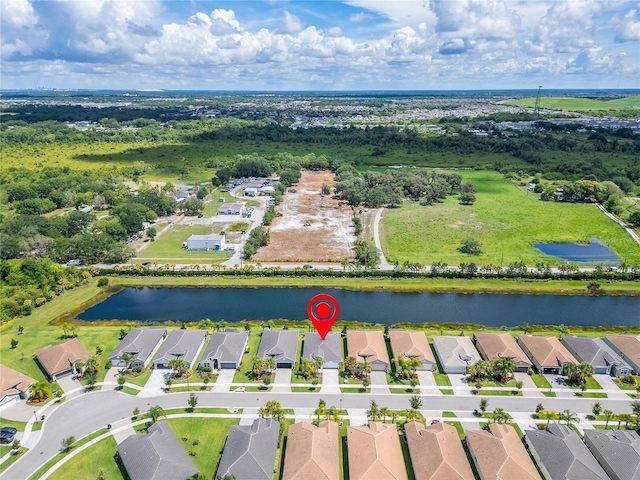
x: 536, y: 108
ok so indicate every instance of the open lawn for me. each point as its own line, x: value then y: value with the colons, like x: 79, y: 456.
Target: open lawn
x: 506, y: 221
x: 211, y: 433
x: 87, y: 464
x: 167, y: 248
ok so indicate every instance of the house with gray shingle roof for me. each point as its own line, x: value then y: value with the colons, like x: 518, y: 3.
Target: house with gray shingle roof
x: 250, y: 451
x: 225, y: 350
x: 184, y: 344
x: 141, y: 343
x: 618, y: 451
x: 281, y: 345
x: 455, y: 353
x: 329, y: 349
x: 561, y: 454
x: 597, y: 354
x: 157, y: 455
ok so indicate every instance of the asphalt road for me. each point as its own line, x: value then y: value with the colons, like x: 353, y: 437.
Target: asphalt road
x: 89, y: 412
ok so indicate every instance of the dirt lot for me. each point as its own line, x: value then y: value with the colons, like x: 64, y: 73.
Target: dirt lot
x: 312, y: 228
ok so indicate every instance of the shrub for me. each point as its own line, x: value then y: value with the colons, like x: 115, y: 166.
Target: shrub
x: 185, y: 437
x: 103, y: 282
x: 193, y: 453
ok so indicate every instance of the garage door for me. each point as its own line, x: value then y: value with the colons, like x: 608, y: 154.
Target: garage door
x: 283, y: 365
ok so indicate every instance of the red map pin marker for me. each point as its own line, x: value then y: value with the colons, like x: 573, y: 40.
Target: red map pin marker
x: 323, y: 311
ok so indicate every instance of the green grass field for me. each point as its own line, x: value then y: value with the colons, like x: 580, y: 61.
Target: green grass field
x: 504, y: 219
x: 87, y: 464
x: 580, y: 104
x: 167, y: 248
x: 211, y: 433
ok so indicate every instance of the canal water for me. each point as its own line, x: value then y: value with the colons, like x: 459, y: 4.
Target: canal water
x: 384, y: 307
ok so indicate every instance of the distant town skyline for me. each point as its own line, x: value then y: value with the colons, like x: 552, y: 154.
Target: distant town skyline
x: 320, y: 45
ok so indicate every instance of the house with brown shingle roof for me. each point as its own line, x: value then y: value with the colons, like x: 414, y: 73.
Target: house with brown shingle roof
x: 500, y: 455
x: 61, y: 359
x: 501, y: 345
x: 412, y: 345
x: 628, y: 347
x: 13, y: 385
x: 313, y: 452
x: 547, y: 353
x: 437, y: 452
x: 375, y: 453
x: 368, y: 346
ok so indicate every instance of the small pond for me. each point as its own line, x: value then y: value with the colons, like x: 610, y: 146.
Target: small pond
x: 596, y: 251
x: 384, y: 307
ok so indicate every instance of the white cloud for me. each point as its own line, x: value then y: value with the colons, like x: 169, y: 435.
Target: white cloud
x: 335, y: 32
x: 292, y: 24
x: 360, y: 17
x: 628, y: 30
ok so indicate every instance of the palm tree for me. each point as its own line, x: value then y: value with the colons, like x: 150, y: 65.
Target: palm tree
x: 596, y: 408
x: 503, y: 367
x: 562, y: 330
x: 479, y: 370
x: 499, y: 415
x: 483, y: 405
x: 374, y: 412
x: 258, y: 366
x: 414, y: 364
x: 384, y: 413
x: 366, y: 368
x: 526, y: 328
x: 415, y: 402
x: 569, y: 417
x: 608, y: 414
x: 350, y: 364
x: 550, y: 414
x: 92, y: 365
x: 205, y: 324
x: 127, y: 358
x: 155, y: 412
x: 40, y: 390
x: 270, y: 363
x: 178, y: 365
x: 318, y: 362
x: 635, y: 407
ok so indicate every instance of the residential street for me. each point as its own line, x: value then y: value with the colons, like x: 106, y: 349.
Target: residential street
x: 89, y: 412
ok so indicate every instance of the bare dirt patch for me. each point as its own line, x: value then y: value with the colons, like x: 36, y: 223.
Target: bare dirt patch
x: 312, y: 228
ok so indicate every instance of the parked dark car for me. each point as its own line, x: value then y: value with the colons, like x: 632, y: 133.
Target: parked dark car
x: 6, y: 437
x: 146, y: 264
x: 10, y: 430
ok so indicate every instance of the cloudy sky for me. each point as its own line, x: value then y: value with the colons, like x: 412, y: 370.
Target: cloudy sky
x: 320, y: 44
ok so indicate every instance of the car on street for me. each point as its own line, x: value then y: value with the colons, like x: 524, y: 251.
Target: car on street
x: 10, y: 430
x: 307, y: 266
x: 146, y: 264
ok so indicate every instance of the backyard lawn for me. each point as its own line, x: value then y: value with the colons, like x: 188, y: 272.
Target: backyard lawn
x: 506, y: 220
x: 87, y: 464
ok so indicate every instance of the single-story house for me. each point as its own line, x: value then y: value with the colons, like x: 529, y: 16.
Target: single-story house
x: 157, y: 455
x: 185, y: 188
x: 436, y: 452
x: 368, y: 346
x: 14, y: 386
x: 267, y: 190
x: 375, y: 452
x: 628, y: 347
x: 595, y: 352
x: 561, y: 454
x: 313, y: 452
x: 455, y: 353
x: 184, y: 344
x: 250, y: 191
x: 618, y: 451
x: 141, y: 343
x: 225, y: 350
x: 250, y: 451
x: 231, y: 209
x: 547, y: 353
x: 412, y: 345
x: 499, y: 454
x: 281, y: 345
x: 60, y: 360
x: 501, y: 345
x: 329, y: 349
x: 206, y: 242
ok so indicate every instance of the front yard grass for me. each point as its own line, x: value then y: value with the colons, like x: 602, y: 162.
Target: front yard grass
x: 591, y: 394
x: 591, y: 384
x: 540, y: 381
x: 461, y: 433
x: 305, y: 389
x: 139, y: 379
x: 355, y: 390
x: 446, y: 391
x: 407, y: 390
x: 549, y: 394
x: 628, y: 386
x: 210, y: 434
x: 12, y: 459
x: 442, y: 379
x: 498, y: 393
x: 87, y: 464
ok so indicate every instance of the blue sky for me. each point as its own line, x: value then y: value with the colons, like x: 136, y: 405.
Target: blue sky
x: 320, y: 44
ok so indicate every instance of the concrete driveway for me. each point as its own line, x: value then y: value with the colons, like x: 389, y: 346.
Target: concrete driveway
x: 378, y: 379
x: 330, y: 381
x: 69, y: 383
x: 224, y: 380
x: 155, y: 384
x: 282, y: 382
x: 613, y: 391
x: 426, y: 378
x: 459, y: 380
x: 528, y: 383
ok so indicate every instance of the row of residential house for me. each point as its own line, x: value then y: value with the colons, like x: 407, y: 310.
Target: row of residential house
x: 374, y: 452
x: 614, y: 355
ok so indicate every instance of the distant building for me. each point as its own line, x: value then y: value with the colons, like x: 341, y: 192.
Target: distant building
x: 250, y: 191
x: 206, y: 242
x: 231, y: 209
